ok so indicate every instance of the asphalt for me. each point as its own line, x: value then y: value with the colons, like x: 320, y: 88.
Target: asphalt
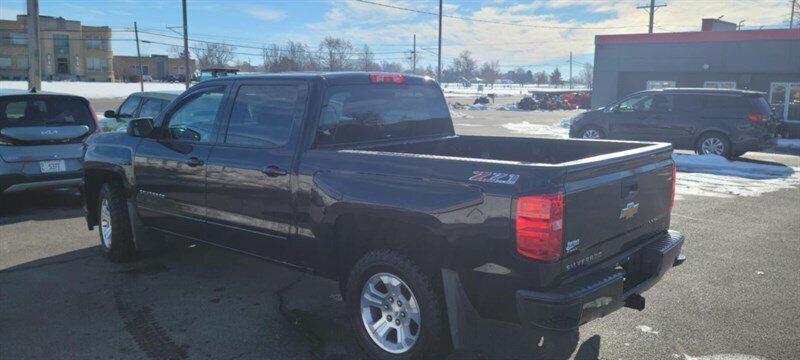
x: 736, y: 297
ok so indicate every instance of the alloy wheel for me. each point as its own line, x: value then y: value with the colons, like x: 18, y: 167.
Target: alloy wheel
x: 713, y: 146
x: 105, y: 223
x: 390, y: 313
x: 591, y: 134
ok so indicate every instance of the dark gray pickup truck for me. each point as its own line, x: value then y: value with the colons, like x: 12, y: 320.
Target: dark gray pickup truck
x: 361, y: 178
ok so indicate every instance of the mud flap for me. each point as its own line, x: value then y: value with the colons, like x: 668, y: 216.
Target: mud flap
x: 462, y: 316
x: 143, y: 239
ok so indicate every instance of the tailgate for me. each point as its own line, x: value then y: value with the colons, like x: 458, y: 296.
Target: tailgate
x: 612, y: 201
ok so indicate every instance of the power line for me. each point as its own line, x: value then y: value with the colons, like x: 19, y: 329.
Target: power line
x: 498, y: 22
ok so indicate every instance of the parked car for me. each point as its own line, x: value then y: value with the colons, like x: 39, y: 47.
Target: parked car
x: 41, y: 137
x: 709, y: 121
x: 141, y: 104
x: 360, y: 178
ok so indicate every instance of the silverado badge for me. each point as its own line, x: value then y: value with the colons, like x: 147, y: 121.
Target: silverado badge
x: 629, y: 210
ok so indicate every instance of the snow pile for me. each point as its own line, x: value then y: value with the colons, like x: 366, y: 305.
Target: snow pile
x: 568, y: 121
x: 501, y: 90
x: 555, y: 131
x: 712, y: 175
x: 788, y: 143
x: 94, y: 90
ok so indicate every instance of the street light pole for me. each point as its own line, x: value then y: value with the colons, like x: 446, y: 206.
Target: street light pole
x: 439, y: 68
x: 139, y: 57
x: 34, y: 64
x: 185, y: 46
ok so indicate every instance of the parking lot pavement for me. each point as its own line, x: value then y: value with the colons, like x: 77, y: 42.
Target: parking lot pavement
x: 736, y: 294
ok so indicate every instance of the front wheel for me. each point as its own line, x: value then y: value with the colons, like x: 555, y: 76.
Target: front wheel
x: 591, y: 132
x: 397, y: 310
x: 116, y: 238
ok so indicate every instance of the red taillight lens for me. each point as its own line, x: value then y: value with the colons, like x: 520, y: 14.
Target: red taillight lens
x: 539, y: 226
x: 757, y: 118
x: 674, y: 180
x: 386, y: 78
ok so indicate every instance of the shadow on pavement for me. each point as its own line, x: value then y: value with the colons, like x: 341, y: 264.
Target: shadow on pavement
x: 193, y: 301
x: 40, y: 205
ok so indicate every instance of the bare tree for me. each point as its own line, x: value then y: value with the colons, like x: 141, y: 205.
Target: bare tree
x: 490, y: 71
x: 366, y: 60
x: 335, y: 53
x: 293, y: 56
x: 587, y: 73
x: 214, y: 55
x: 464, y: 65
x: 387, y: 66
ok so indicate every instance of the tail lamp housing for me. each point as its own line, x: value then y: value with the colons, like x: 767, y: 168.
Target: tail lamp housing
x: 539, y: 225
x: 386, y: 78
x: 757, y: 118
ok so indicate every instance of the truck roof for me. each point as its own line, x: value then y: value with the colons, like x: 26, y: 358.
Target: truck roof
x: 18, y: 92
x: 329, y: 77
x: 688, y: 90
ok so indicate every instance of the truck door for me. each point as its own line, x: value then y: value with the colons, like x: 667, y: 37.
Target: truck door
x: 170, y: 168
x: 250, y: 171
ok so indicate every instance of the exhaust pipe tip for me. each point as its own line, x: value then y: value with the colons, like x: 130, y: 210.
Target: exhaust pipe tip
x: 635, y: 301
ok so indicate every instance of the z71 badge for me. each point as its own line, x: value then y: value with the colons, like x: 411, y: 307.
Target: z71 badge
x: 493, y: 177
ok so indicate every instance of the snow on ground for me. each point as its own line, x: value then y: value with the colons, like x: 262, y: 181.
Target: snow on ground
x: 527, y: 128
x: 789, y: 143
x: 458, y: 90
x: 94, y: 90
x: 504, y: 107
x: 711, y: 175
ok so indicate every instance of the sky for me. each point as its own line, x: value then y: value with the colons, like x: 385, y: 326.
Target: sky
x: 536, y: 35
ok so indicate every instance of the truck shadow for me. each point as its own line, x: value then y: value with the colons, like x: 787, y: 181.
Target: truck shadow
x: 173, y: 302
x: 40, y: 205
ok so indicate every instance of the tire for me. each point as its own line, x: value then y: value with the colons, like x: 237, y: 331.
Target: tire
x: 426, y: 329
x: 714, y: 143
x: 591, y: 132
x: 116, y: 238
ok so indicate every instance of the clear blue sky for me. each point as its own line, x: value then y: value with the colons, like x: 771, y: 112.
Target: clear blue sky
x: 546, y: 30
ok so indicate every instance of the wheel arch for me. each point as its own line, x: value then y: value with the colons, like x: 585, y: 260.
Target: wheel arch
x: 93, y: 180
x: 707, y: 131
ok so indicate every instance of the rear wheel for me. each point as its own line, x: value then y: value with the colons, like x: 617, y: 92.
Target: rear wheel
x: 397, y: 311
x: 714, y: 143
x: 591, y: 132
x: 116, y: 238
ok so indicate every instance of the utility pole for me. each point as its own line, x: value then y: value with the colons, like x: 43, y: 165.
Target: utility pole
x: 652, y: 10
x: 139, y: 57
x: 34, y: 63
x: 791, y: 18
x: 186, y: 46
x: 570, y: 69
x: 414, y: 56
x: 439, y: 54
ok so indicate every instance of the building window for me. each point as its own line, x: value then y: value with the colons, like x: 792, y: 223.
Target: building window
x: 22, y: 61
x: 720, y: 84
x: 61, y: 45
x: 660, y: 84
x: 96, y: 42
x: 97, y: 64
x: 5, y: 62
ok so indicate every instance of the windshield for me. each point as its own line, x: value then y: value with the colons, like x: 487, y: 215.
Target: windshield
x: 27, y: 111
x: 359, y: 113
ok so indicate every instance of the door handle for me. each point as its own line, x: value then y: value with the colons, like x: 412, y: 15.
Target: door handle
x: 273, y: 171
x: 194, y: 162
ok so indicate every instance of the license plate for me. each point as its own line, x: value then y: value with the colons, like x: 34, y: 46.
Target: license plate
x: 52, y: 166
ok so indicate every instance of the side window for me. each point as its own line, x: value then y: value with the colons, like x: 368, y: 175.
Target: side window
x: 662, y: 104
x: 129, y: 106
x: 688, y: 103
x: 726, y: 105
x: 636, y: 103
x: 151, y: 108
x: 262, y: 115
x: 194, y: 119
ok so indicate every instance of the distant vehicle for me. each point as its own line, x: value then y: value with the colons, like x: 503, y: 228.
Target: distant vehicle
x: 211, y: 73
x: 140, y: 104
x: 41, y: 137
x: 361, y: 178
x: 710, y: 121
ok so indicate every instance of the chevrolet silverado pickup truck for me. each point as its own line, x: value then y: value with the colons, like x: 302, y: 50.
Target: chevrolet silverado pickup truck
x: 361, y: 178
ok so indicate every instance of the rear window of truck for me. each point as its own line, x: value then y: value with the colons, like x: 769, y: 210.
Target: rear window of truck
x: 44, y: 111
x: 361, y: 113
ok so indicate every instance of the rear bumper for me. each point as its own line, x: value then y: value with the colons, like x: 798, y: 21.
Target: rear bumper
x: 16, y: 177
x: 601, y: 292
x: 762, y: 143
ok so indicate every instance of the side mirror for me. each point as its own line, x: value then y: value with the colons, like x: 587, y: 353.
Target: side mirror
x: 110, y: 114
x: 141, y: 127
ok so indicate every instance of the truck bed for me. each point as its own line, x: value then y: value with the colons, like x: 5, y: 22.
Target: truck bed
x: 517, y: 149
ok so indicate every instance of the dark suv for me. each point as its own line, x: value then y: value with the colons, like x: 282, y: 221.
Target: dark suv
x: 709, y: 121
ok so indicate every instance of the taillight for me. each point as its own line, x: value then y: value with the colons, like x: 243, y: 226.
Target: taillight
x: 674, y: 181
x: 760, y: 118
x: 386, y: 78
x: 540, y: 226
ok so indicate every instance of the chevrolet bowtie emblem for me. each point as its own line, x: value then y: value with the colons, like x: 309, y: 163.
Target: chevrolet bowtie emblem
x: 629, y: 210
